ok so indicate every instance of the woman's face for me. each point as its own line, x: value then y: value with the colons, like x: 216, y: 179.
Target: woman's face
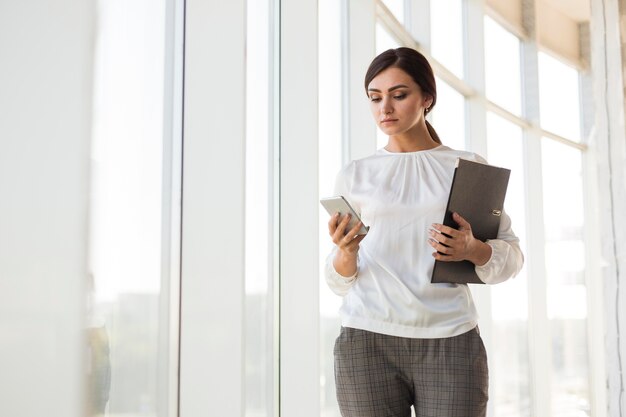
x: 396, y: 101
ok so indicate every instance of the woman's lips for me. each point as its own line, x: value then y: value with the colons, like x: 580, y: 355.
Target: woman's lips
x: 389, y: 121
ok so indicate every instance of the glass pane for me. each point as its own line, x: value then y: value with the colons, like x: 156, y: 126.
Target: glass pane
x: 330, y: 132
x: 259, y: 359
x: 397, y: 8
x: 446, y: 17
x: 559, y: 97
x: 127, y: 353
x: 450, y: 106
x: 502, y: 67
x: 565, y: 268
x: 509, y: 358
x: 384, y: 41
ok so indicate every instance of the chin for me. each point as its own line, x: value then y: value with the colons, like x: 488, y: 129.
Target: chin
x: 390, y: 131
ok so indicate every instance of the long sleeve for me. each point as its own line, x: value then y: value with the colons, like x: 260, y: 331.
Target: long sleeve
x: 506, y: 256
x: 336, y: 282
x: 399, y: 196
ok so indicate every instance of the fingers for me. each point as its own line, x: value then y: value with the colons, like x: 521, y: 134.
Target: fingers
x: 447, y: 241
x: 350, y: 236
x: 355, y: 230
x: 440, y: 236
x: 451, y: 244
x: 440, y: 257
x: 463, y: 224
x: 443, y: 252
x: 350, y: 243
x: 340, y: 237
x: 337, y: 226
x: 332, y: 224
x: 443, y: 249
x: 354, y: 243
x: 442, y: 230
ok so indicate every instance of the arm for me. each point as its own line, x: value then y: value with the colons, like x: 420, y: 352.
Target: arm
x: 342, y: 263
x: 496, y: 260
x: 341, y: 267
x: 339, y: 284
x: 507, y: 258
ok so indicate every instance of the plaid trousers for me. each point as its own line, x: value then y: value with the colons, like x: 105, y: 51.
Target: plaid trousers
x: 383, y: 376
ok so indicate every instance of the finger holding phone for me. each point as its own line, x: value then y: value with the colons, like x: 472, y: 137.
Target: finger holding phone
x: 347, y: 242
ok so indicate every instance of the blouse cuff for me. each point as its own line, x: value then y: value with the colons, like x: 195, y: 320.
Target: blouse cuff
x: 503, y: 263
x: 337, y: 282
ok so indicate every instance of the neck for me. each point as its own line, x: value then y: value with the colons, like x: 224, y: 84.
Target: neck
x: 415, y: 139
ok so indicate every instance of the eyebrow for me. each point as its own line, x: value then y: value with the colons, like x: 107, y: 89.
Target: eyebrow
x: 395, y: 87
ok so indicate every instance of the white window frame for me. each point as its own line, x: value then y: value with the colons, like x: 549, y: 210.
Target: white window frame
x: 299, y: 269
x: 169, y: 304
x: 212, y: 330
x: 213, y: 211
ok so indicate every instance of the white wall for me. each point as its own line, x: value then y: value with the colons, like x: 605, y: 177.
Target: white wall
x: 45, y: 110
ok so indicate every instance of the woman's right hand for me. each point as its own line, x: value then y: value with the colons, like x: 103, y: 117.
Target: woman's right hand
x: 345, y: 261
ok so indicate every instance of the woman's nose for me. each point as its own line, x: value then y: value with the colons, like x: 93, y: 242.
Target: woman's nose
x: 386, y: 108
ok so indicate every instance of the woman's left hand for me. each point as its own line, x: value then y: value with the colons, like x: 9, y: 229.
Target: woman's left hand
x: 459, y: 244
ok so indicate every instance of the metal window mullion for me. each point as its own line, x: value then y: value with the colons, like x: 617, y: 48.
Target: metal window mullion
x: 212, y: 361
x: 592, y: 238
x: 474, y: 61
x: 525, y: 124
x: 417, y: 20
x: 595, y: 295
x: 476, y: 139
x: 540, y: 346
x: 169, y: 308
x: 273, y: 317
x: 359, y: 48
x: 299, y: 268
x: 401, y: 34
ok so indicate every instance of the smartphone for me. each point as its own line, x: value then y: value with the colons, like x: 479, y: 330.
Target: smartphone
x: 339, y: 204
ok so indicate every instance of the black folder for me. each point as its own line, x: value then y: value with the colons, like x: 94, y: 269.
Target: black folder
x: 477, y: 194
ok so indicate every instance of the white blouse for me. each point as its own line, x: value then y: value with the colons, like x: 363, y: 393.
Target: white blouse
x: 399, y: 196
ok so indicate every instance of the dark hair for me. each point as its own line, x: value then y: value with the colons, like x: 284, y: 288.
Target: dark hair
x: 414, y: 64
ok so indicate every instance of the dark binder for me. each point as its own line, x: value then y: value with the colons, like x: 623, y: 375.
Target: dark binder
x: 477, y: 194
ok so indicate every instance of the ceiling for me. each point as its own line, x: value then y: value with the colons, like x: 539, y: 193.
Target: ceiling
x: 578, y: 10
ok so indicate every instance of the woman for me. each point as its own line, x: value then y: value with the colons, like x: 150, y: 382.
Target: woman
x: 404, y: 341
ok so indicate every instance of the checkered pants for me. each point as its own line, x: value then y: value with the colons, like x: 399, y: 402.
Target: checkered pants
x: 383, y: 376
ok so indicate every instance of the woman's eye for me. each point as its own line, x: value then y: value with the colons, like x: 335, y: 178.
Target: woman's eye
x: 375, y: 99
x: 400, y: 96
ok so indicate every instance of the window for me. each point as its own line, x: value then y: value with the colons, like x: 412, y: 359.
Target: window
x: 502, y: 67
x: 259, y: 284
x: 565, y: 267
x: 447, y: 28
x: 565, y: 250
x: 128, y: 324
x: 559, y: 97
x: 450, y: 106
x: 509, y: 357
x: 397, y: 8
x: 330, y: 160
x: 513, y: 356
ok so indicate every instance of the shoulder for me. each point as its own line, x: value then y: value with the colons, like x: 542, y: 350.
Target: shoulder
x: 362, y: 163
x: 446, y: 151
